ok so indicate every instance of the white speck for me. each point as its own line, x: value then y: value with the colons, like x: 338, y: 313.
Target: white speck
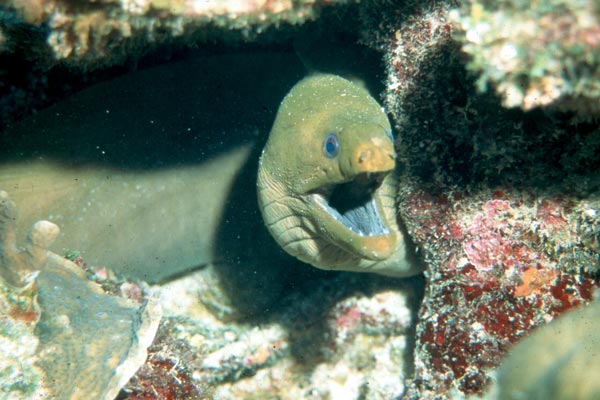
x: 229, y: 336
x: 477, y: 326
x: 475, y: 35
x: 508, y: 52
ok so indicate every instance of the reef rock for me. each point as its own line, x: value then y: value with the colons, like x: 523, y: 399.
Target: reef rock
x: 87, y: 343
x: 502, y: 203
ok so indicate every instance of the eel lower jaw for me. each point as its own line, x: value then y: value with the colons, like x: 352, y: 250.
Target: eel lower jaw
x: 350, y: 216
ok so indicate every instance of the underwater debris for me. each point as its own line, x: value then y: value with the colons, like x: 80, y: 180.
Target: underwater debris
x: 87, y: 343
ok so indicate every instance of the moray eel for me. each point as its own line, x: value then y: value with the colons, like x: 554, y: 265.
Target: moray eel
x: 137, y: 223
x: 558, y: 361
x: 325, y: 183
x: 136, y: 192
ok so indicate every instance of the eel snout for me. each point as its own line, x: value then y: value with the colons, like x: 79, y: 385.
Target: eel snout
x: 376, y: 155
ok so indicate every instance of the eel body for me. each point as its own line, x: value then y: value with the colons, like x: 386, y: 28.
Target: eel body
x: 148, y: 225
x: 139, y: 171
x: 558, y: 361
x: 325, y: 183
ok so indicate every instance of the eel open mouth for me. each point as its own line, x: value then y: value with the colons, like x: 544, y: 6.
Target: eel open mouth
x: 354, y: 204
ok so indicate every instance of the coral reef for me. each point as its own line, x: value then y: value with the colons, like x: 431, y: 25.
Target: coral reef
x: 501, y: 203
x: 96, y: 33
x: 535, y: 54
x: 77, y: 341
x: 19, y: 313
x: 42, y: 41
x: 342, y: 337
x: 499, y: 264
x: 451, y: 134
x: 500, y: 191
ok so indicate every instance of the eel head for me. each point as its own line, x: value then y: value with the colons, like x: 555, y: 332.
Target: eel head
x: 326, y: 186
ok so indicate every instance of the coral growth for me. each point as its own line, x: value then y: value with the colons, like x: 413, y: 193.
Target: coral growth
x: 341, y: 337
x: 96, y: 33
x: 19, y: 313
x: 535, y: 54
x: 42, y: 42
x: 75, y: 341
x: 451, y: 134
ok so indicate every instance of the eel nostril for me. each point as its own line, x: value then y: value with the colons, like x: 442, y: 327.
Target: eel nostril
x: 364, y: 156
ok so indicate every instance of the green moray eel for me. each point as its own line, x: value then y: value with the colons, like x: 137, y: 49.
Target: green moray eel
x: 153, y: 186
x: 325, y: 183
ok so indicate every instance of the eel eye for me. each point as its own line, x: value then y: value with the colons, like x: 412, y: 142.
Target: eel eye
x: 331, y: 146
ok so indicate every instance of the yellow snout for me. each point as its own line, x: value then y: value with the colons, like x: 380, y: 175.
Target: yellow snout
x: 376, y: 155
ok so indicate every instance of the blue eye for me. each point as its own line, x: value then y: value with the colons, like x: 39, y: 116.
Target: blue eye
x: 331, y: 146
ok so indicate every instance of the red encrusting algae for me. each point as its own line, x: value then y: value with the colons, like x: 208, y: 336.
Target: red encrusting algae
x: 493, y: 275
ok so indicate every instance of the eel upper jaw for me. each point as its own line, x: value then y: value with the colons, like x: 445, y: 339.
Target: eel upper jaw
x: 350, y: 215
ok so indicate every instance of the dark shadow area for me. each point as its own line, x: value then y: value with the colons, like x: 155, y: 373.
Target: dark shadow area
x: 320, y: 50
x: 452, y: 136
x: 172, y: 115
x: 253, y: 270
